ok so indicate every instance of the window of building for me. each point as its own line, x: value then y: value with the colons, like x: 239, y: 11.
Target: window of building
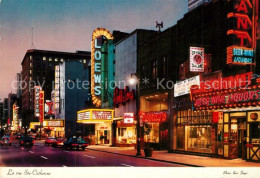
x: 30, y: 64
x: 164, y: 66
x: 126, y: 135
x: 30, y: 78
x: 153, y: 137
x: 30, y: 71
x: 154, y: 69
x: 31, y: 58
x: 50, y: 59
x: 199, y: 137
x: 44, y: 58
x: 61, y: 60
x: 56, y: 59
x: 84, y: 61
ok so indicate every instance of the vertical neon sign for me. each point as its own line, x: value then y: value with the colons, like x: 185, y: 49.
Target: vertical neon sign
x: 244, y: 14
x: 96, y: 56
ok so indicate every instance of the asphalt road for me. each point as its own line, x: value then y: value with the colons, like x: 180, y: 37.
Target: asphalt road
x: 46, y: 156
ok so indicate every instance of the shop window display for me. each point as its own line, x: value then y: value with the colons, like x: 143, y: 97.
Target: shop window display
x: 127, y: 135
x: 153, y: 137
x: 199, y: 137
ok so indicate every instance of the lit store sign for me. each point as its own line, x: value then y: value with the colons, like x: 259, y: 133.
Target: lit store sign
x: 37, y: 90
x: 96, y: 57
x: 95, y: 115
x: 196, y: 59
x: 153, y: 117
x: 183, y: 87
x: 242, y: 55
x: 228, y: 99
x: 57, y: 88
x: 243, y: 34
x: 122, y: 96
x: 128, y: 118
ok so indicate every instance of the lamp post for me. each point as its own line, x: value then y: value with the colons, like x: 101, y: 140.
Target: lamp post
x: 133, y: 80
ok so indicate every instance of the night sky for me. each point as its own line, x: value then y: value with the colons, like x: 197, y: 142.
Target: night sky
x: 67, y: 25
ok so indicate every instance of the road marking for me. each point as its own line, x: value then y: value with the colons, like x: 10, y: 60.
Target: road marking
x: 64, y: 166
x: 90, y: 156
x: 44, y: 157
x: 66, y: 151
x: 127, y: 165
x: 30, y: 151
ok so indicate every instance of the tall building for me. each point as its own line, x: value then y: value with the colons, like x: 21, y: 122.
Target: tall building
x: 102, y: 85
x: 38, y: 67
x: 18, y: 84
x: 126, y: 57
x: 74, y: 94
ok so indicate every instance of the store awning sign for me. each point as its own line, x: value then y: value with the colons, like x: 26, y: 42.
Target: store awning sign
x: 153, y: 117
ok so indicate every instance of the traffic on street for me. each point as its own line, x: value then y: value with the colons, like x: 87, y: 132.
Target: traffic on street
x: 39, y: 155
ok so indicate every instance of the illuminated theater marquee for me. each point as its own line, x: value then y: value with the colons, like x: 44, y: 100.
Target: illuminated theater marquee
x: 98, y: 37
x: 242, y: 33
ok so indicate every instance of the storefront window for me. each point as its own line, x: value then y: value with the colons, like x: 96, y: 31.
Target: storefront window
x: 255, y: 132
x: 153, y: 137
x: 199, y: 137
x: 126, y: 135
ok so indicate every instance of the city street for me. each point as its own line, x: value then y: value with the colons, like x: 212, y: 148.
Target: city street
x: 45, y: 156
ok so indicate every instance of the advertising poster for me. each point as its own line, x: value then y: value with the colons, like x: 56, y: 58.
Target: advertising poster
x: 196, y: 59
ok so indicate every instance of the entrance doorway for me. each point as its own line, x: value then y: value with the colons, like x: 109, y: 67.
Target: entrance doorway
x: 237, y: 139
x: 103, y: 137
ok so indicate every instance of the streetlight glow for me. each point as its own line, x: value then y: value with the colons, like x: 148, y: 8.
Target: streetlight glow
x: 132, y: 80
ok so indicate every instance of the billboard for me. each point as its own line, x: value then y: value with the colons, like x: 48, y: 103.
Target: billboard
x: 196, y: 59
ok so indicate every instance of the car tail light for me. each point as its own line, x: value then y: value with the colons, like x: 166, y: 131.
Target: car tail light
x: 33, y: 141
x: 84, y: 144
x: 75, y: 144
x: 21, y: 142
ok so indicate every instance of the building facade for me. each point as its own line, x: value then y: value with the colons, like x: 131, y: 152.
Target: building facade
x: 38, y: 69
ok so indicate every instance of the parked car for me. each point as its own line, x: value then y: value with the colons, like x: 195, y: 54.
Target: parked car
x: 50, y: 141
x: 6, y: 141
x: 75, y: 143
x: 26, y: 141
x: 59, y: 142
x: 18, y: 136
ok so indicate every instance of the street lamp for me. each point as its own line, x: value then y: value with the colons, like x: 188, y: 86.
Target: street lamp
x: 133, y: 80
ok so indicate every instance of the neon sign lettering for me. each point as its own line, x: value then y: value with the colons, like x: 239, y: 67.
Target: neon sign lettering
x: 243, y: 34
x: 231, y: 82
x: 122, y: 96
x: 96, y: 75
x: 228, y: 99
x: 154, y: 117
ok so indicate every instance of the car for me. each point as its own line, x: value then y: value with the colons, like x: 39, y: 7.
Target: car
x: 50, y: 141
x: 18, y: 136
x: 26, y: 141
x: 6, y: 141
x: 75, y: 143
x: 59, y: 142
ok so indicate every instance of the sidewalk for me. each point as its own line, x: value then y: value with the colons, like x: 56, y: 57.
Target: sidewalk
x: 188, y: 160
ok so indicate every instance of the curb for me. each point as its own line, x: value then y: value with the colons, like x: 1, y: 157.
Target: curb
x: 153, y: 159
